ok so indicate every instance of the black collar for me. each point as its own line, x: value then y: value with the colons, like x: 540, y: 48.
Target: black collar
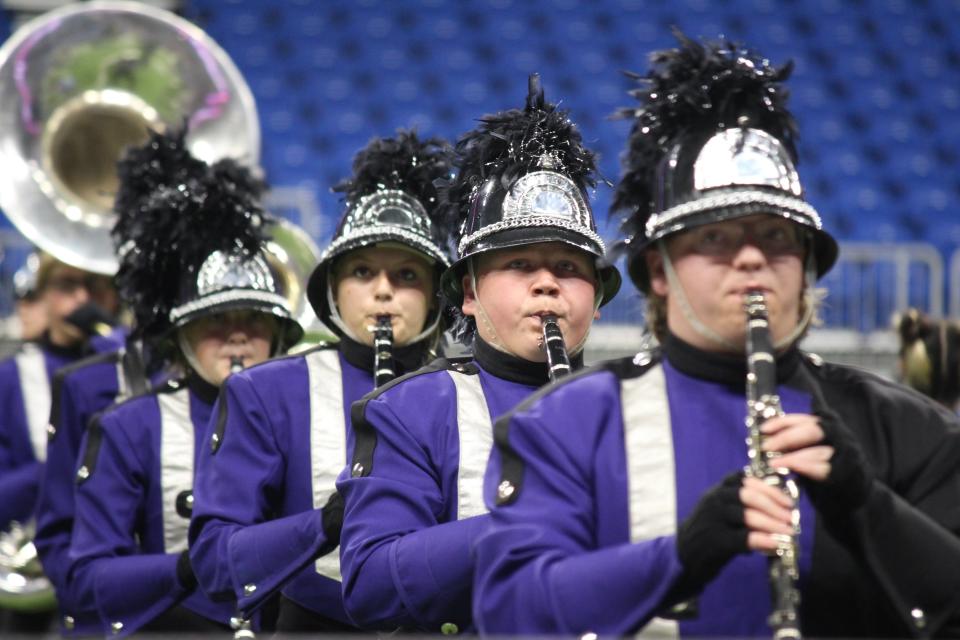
x: 72, y: 352
x: 203, y: 389
x: 510, y: 367
x: 408, y: 358
x: 722, y: 367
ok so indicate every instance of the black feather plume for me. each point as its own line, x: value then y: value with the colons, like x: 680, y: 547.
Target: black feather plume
x: 406, y: 163
x: 173, y: 212
x: 692, y: 89
x: 512, y: 143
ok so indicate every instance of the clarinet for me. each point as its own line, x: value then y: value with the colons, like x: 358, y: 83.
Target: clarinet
x: 383, y: 371
x: 763, y: 403
x: 558, y: 363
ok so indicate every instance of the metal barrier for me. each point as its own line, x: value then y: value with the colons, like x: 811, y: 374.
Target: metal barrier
x: 953, y: 310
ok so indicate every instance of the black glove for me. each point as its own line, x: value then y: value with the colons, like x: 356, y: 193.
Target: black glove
x: 848, y: 486
x: 332, y: 518
x: 710, y: 536
x: 92, y: 320
x: 185, y: 575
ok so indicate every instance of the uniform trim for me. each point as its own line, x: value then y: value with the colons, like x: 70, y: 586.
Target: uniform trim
x: 36, y: 396
x: 475, y: 432
x: 60, y: 379
x: 328, y: 438
x: 365, y: 436
x: 651, y: 472
x: 216, y: 438
x: 511, y: 464
x: 176, y: 464
x: 92, y: 452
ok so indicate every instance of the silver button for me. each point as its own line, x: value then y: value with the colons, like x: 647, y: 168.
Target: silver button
x: 919, y: 619
x: 116, y: 627
x: 505, y: 490
x: 83, y: 472
x: 357, y: 470
x: 214, y: 441
x: 68, y: 623
x: 643, y: 358
x: 51, y: 431
x: 190, y: 500
x: 248, y: 589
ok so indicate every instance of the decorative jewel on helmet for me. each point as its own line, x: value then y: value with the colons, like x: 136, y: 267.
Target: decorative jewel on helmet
x: 191, y: 238
x: 523, y: 177
x: 712, y: 140
x: 391, y: 198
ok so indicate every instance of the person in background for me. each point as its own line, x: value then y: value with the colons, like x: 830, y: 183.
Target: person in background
x: 88, y: 386
x: 930, y: 356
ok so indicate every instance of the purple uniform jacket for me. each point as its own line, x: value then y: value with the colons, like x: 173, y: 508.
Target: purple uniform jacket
x: 80, y: 390
x: 137, y: 461
x: 25, y: 388
x: 590, y: 479
x: 414, y: 492
x: 280, y: 438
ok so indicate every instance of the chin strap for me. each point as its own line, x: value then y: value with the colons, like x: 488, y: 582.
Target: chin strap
x: 191, y: 357
x: 335, y: 318
x: 482, y: 313
x: 676, y: 289
x: 496, y: 344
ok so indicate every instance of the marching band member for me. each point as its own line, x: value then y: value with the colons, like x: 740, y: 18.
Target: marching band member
x: 203, y: 230
x: 88, y: 386
x: 617, y: 496
x: 266, y: 507
x: 528, y: 248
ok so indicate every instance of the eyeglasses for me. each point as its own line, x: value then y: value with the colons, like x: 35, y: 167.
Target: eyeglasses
x: 723, y: 240
x: 69, y: 284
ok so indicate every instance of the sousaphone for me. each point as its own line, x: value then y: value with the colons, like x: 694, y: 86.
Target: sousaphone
x: 80, y: 84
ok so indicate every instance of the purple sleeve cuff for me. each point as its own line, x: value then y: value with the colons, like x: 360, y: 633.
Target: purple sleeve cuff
x: 432, y: 570
x: 133, y: 590
x: 266, y: 556
x: 18, y: 493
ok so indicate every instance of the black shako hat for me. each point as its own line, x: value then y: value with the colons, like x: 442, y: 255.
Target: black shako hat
x: 522, y: 178
x: 712, y: 140
x: 390, y: 198
x: 191, y: 239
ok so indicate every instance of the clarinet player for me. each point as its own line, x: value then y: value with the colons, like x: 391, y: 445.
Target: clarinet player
x: 618, y: 499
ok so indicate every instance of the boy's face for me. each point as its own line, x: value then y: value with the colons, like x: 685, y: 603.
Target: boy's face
x: 67, y: 289
x: 383, y: 280
x: 515, y: 287
x: 216, y: 340
x: 717, y: 264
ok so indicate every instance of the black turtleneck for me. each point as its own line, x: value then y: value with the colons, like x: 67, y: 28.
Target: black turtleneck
x: 510, y: 367
x: 406, y: 358
x: 722, y: 367
x: 73, y: 352
x: 204, y: 390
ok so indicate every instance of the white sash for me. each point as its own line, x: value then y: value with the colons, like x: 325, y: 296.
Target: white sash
x: 328, y: 437
x: 652, y: 499
x: 176, y: 464
x: 475, y: 429
x: 35, y: 387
